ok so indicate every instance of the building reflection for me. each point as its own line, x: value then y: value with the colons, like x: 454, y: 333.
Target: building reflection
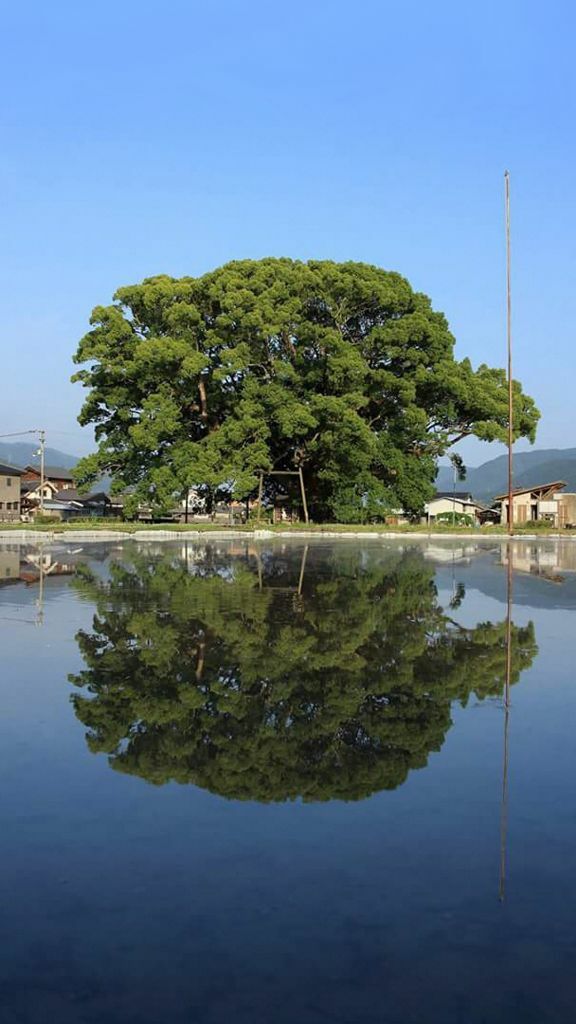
x: 549, y: 558
x: 30, y: 568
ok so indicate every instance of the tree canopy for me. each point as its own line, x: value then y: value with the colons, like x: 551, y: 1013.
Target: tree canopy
x: 234, y: 678
x: 340, y: 369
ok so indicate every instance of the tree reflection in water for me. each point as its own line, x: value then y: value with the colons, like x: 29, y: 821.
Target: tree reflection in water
x: 256, y: 692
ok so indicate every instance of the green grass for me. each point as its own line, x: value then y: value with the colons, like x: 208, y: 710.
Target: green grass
x: 295, y: 528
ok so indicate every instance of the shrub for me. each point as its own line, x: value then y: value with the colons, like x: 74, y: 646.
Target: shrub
x: 454, y: 519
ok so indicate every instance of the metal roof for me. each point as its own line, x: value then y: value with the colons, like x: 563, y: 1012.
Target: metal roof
x: 556, y: 485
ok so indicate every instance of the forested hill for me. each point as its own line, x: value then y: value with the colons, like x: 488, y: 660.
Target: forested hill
x: 535, y: 467
x: 21, y: 453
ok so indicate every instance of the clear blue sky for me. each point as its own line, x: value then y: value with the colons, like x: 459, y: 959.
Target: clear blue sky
x: 144, y: 138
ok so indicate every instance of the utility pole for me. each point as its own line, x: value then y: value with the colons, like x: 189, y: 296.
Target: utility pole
x: 42, y: 435
x: 509, y: 346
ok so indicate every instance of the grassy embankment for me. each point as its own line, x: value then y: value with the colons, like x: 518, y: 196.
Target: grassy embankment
x: 119, y: 526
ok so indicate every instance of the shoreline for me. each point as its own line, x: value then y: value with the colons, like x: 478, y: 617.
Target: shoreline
x: 50, y: 536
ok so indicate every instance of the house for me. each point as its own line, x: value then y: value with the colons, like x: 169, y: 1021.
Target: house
x: 97, y: 504
x: 32, y: 492
x: 9, y: 493
x: 566, y: 509
x: 68, y: 504
x: 56, y: 475
x: 54, y: 508
x: 540, y: 503
x: 460, y: 502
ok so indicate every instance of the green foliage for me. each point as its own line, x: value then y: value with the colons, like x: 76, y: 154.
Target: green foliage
x: 341, y: 369
x: 454, y: 518
x: 233, y: 678
x: 458, y: 466
x: 535, y: 524
x: 366, y: 501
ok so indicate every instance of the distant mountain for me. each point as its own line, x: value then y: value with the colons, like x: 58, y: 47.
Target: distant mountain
x: 485, y: 481
x: 530, y: 468
x: 22, y: 453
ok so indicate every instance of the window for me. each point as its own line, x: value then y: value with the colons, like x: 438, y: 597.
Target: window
x: 1, y: 504
x: 8, y: 481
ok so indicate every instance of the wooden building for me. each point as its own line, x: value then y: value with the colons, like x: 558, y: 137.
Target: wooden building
x: 56, y: 475
x: 540, y: 503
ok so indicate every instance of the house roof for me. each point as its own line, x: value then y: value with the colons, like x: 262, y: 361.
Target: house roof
x: 6, y: 470
x: 459, y: 495
x: 556, y: 485
x: 55, y: 503
x: 71, y: 494
x: 58, y: 472
x: 32, y: 485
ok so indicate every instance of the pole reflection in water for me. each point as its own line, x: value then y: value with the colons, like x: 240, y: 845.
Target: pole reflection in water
x: 506, y: 752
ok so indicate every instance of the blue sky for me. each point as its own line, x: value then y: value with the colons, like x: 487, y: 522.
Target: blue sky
x: 142, y: 138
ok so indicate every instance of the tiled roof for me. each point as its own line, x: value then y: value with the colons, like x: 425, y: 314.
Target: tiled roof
x: 33, y: 485
x: 458, y: 495
x: 71, y: 494
x: 58, y: 472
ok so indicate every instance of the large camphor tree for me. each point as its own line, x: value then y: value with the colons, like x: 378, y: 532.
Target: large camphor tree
x: 338, y: 369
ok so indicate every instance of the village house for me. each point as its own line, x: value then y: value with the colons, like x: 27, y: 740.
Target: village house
x: 69, y: 504
x: 460, y: 502
x: 59, y: 477
x: 32, y: 492
x: 9, y: 493
x: 96, y: 504
x: 540, y: 503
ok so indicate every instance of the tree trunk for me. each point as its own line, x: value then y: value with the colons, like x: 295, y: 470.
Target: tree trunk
x: 203, y: 400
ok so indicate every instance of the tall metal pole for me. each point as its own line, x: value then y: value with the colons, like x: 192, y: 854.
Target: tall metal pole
x: 42, y: 447
x: 509, y: 345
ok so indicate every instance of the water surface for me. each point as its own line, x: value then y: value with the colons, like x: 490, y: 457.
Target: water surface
x: 278, y: 782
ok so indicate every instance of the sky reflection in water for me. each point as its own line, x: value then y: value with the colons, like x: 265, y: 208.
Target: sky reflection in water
x: 347, y: 701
